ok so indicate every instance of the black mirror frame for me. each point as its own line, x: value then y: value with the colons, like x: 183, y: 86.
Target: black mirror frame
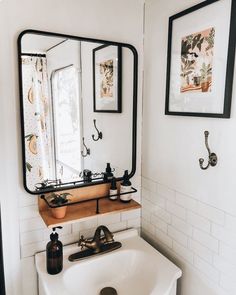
x: 134, y: 111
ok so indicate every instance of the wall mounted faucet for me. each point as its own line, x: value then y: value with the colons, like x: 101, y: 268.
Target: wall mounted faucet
x: 87, y: 150
x: 99, y: 136
x: 212, y: 157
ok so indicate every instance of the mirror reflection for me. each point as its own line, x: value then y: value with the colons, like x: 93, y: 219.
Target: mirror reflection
x: 77, y: 101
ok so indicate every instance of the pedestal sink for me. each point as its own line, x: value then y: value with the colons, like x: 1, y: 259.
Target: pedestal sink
x: 134, y: 269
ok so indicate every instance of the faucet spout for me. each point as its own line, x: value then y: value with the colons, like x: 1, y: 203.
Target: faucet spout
x: 96, y: 243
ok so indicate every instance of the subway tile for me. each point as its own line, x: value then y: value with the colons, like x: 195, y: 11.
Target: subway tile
x: 65, y: 230
x: 149, y: 184
x: 177, y: 236
x: 230, y: 222
x: 70, y: 238
x: 224, y: 266
x: 215, y: 215
x: 27, y: 200
x: 176, y: 210
x: 201, y: 251
x: 206, y: 240
x: 31, y: 249
x: 132, y: 214
x: 147, y: 226
x: 146, y: 214
x: 207, y: 269
x: 87, y: 233
x: 145, y: 193
x: 183, y: 252
x: 134, y: 223
x: 228, y: 283
x: 228, y: 253
x: 198, y: 221
x: 115, y: 227
x: 186, y: 202
x: 31, y: 237
x: 182, y: 226
x: 86, y: 224
x: 163, y: 238
x: 157, y: 200
x: 162, y: 214
x: 159, y: 223
x: 148, y: 205
x: 224, y: 235
x: 166, y: 192
x: 27, y: 225
x: 109, y: 219
x: 29, y: 212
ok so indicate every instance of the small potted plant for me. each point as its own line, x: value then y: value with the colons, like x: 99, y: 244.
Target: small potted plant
x: 59, y: 200
x: 206, y: 72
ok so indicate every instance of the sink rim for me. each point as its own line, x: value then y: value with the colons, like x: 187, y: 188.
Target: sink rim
x: 130, y: 240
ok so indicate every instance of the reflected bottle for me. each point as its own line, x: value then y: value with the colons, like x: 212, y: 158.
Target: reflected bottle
x: 125, y: 188
x: 113, y: 190
x: 54, y: 254
x: 108, y: 175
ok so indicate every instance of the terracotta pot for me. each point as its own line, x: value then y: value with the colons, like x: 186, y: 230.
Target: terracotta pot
x: 205, y: 86
x: 59, y: 212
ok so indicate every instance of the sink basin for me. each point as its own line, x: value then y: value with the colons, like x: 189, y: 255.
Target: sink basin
x: 134, y: 269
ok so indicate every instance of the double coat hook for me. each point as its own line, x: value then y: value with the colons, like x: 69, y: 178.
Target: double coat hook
x: 99, y: 136
x: 212, y: 157
x: 87, y: 150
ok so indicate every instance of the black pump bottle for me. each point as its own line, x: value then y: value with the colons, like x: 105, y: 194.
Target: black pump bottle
x: 108, y: 175
x: 54, y: 253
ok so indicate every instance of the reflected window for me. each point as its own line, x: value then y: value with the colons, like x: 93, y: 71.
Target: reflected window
x: 67, y: 118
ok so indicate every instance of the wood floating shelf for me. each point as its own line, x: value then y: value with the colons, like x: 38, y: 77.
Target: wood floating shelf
x: 82, y: 211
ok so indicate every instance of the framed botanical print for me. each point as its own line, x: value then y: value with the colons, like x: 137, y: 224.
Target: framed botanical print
x: 107, y: 62
x: 200, y: 63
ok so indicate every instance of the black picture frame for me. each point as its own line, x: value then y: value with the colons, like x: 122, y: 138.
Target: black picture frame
x: 117, y: 80
x: 229, y: 65
x: 133, y: 113
x: 2, y: 277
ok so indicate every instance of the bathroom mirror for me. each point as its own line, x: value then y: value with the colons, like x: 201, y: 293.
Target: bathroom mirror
x: 78, y: 110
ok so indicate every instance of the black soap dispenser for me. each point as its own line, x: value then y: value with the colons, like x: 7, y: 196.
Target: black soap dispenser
x: 54, y: 253
x: 108, y: 175
x: 125, y: 187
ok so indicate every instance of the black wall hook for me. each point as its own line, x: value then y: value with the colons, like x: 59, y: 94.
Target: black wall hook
x: 99, y: 132
x: 87, y: 150
x: 212, y: 157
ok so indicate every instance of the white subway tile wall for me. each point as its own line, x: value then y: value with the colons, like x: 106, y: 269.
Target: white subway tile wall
x: 197, y: 234
x: 34, y: 235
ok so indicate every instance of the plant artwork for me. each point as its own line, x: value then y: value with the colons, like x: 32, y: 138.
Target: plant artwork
x: 197, y: 52
x: 200, y: 60
x: 106, y: 79
x: 107, y: 63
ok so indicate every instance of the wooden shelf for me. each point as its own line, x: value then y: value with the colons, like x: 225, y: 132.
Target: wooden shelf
x: 85, y: 210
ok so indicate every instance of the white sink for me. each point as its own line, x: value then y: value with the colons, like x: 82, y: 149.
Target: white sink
x: 134, y: 269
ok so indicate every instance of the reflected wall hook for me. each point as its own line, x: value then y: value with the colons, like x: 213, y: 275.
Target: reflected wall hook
x: 99, y: 132
x: 87, y: 150
x: 212, y: 157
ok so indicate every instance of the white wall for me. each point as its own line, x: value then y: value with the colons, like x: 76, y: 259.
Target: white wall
x: 116, y: 127
x: 79, y: 17
x: 187, y: 212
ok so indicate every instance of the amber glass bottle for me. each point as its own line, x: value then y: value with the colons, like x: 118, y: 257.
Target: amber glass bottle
x: 54, y: 254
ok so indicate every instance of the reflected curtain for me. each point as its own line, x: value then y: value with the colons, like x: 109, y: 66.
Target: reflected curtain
x: 38, y: 139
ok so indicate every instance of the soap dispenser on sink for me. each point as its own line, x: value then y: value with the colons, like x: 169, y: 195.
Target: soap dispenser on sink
x: 54, y: 252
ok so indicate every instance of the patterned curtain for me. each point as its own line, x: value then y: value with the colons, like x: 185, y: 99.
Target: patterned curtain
x: 38, y: 127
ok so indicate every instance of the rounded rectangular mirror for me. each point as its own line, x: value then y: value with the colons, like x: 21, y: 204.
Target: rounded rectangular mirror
x: 78, y: 110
